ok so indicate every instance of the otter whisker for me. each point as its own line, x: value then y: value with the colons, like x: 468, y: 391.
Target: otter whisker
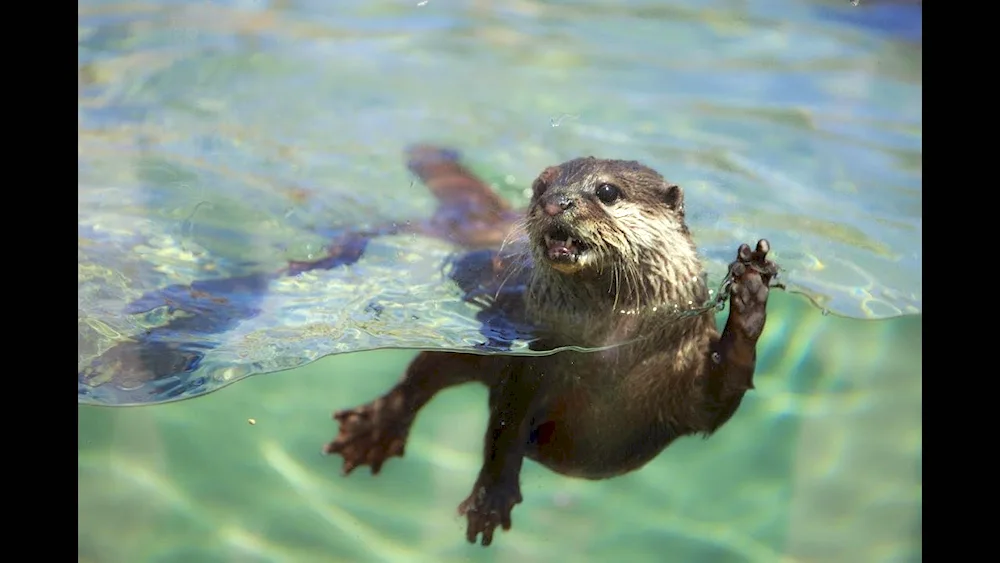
x: 513, y: 269
x: 617, y: 286
x: 517, y: 230
x: 640, y: 285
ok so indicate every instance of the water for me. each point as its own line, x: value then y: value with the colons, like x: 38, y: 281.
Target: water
x: 220, y: 141
x: 250, y: 129
x: 821, y: 463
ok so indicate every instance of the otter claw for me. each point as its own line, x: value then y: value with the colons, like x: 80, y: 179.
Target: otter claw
x: 757, y: 261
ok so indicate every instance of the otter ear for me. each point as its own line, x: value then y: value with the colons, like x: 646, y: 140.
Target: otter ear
x: 674, y: 197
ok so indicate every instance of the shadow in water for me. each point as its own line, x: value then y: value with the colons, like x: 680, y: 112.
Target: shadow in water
x: 160, y: 364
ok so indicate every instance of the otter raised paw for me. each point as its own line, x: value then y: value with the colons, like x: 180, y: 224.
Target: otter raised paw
x: 734, y: 354
x: 751, y: 275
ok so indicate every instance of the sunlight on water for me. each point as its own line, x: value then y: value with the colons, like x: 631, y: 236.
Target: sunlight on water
x: 220, y: 140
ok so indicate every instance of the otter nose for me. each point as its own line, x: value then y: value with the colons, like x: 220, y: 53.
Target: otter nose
x: 555, y: 205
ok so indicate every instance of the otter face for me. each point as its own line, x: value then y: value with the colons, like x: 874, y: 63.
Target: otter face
x: 592, y: 215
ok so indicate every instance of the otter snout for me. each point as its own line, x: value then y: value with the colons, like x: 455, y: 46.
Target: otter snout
x: 555, y: 204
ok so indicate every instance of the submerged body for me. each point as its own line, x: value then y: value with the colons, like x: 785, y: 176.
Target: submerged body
x: 609, y: 262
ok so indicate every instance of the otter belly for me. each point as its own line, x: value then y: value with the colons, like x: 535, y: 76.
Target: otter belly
x: 578, y: 437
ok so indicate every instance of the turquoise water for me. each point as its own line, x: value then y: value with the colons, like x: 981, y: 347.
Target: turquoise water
x: 230, y: 136
x: 821, y: 463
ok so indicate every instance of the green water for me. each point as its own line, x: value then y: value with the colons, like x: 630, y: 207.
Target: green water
x: 821, y: 463
x: 795, y: 120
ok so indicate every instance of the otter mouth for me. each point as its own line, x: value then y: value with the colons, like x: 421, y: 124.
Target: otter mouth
x: 562, y: 250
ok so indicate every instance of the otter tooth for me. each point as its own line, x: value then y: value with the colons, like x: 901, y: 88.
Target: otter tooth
x: 569, y: 242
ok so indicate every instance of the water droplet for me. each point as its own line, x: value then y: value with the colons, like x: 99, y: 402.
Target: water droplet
x: 187, y: 226
x: 557, y: 121
x: 423, y: 2
x: 716, y: 358
x: 825, y: 312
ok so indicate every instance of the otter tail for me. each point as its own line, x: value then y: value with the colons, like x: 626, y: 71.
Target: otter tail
x: 469, y: 213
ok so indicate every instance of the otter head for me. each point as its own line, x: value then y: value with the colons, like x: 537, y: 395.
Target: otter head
x: 590, y: 217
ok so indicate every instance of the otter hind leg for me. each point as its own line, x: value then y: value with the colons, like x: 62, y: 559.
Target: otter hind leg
x: 345, y: 250
x: 372, y: 433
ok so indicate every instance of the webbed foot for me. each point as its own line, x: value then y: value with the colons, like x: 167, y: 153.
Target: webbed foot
x: 372, y: 433
x: 487, y: 507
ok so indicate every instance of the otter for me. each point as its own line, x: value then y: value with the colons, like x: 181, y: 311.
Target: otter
x: 608, y: 262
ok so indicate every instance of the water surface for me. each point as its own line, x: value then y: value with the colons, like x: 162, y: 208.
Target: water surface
x: 221, y: 140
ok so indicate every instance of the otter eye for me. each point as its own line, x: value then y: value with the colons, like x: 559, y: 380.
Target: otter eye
x: 608, y: 193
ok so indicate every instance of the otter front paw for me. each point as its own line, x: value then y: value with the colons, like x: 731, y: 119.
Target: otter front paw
x: 371, y: 434
x: 487, y: 507
x: 751, y: 275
